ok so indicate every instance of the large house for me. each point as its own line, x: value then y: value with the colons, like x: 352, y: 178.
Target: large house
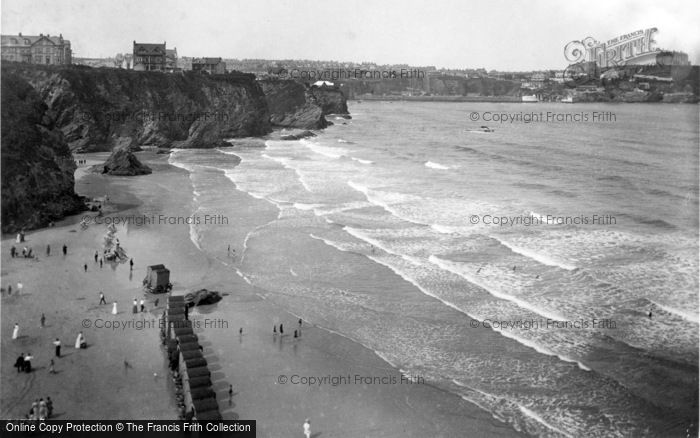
x: 149, y: 57
x: 33, y: 49
x: 209, y: 65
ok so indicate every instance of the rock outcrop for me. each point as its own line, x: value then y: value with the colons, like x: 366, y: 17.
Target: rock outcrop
x: 292, y: 105
x: 123, y: 162
x: 330, y: 99
x: 202, y: 297
x: 100, y: 109
x: 37, y: 165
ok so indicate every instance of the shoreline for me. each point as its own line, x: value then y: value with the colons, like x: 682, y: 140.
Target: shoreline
x: 320, y: 352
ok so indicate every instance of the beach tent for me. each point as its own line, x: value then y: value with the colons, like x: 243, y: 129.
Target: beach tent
x: 186, y: 339
x: 199, y: 382
x: 197, y: 372
x: 205, y: 404
x: 189, y: 346
x: 212, y: 415
x: 157, y: 278
x: 202, y: 393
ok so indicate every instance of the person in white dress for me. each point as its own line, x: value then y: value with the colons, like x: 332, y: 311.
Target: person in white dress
x: 15, y: 332
x: 307, y: 428
x: 114, y: 308
x: 80, y: 340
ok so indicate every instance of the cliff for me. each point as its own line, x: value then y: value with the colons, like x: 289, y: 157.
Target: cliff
x: 37, y: 165
x: 292, y: 105
x: 99, y: 109
x: 331, y: 100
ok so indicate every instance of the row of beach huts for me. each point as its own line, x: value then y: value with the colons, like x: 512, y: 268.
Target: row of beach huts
x: 187, y: 363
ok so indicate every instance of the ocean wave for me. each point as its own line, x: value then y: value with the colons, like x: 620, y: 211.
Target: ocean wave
x: 540, y: 258
x: 454, y: 268
x: 360, y: 160
x: 531, y: 414
x: 375, y: 197
x: 284, y: 161
x: 327, y: 151
x: 437, y: 166
x: 688, y: 316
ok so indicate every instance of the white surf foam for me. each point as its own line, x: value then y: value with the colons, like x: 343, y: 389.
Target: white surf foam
x: 437, y: 166
x: 688, y: 316
x: 326, y: 151
x: 454, y: 268
x: 360, y: 160
x: 373, y: 198
x: 541, y: 258
x: 528, y: 413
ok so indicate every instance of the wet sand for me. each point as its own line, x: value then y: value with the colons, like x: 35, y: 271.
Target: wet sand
x: 94, y: 383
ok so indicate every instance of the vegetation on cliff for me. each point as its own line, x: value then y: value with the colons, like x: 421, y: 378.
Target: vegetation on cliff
x: 37, y: 166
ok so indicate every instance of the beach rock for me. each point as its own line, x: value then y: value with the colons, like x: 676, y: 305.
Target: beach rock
x: 37, y: 165
x: 123, y: 162
x: 331, y: 100
x: 202, y: 297
x: 298, y: 136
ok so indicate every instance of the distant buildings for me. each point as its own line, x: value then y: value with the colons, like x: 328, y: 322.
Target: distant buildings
x: 209, y: 65
x: 33, y: 49
x: 149, y: 57
x: 171, y: 59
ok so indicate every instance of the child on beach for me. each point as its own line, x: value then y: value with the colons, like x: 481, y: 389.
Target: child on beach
x: 307, y: 428
x: 15, y: 331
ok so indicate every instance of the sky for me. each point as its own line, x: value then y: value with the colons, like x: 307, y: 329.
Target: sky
x: 508, y: 35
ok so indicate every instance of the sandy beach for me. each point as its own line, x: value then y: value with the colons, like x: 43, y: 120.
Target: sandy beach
x: 345, y: 389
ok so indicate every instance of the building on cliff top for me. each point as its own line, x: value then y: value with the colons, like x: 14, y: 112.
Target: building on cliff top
x: 171, y: 60
x: 33, y: 49
x: 149, y: 57
x: 209, y: 65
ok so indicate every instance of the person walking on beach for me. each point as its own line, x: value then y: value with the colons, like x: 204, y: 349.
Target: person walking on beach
x: 96, y: 255
x: 131, y: 264
x: 9, y: 290
x: 13, y: 251
x: 100, y: 263
x: 65, y: 249
x: 15, y: 331
x: 307, y: 428
x: 114, y: 308
x: 20, y: 286
x: 48, y: 250
x: 85, y: 267
x: 49, y: 407
x: 135, y: 308
x: 43, y: 320
x: 102, y: 298
x: 296, y: 335
x: 57, y: 347
x: 274, y: 330
x: 19, y: 363
x: 28, y: 363
x: 281, y: 329
x: 230, y: 391
x: 143, y: 307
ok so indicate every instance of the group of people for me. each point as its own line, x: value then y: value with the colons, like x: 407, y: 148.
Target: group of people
x: 24, y: 362
x: 41, y: 410
x: 297, y: 332
x: 26, y: 252
x: 81, y: 161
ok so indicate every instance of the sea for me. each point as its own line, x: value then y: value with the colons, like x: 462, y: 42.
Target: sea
x: 545, y: 271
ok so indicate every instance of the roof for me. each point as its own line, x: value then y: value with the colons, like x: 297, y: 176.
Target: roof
x: 172, y: 53
x: 207, y: 61
x: 149, y: 49
x: 21, y: 40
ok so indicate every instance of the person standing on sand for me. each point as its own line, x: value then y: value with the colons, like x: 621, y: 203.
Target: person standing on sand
x: 28, y: 363
x: 274, y: 330
x: 9, y: 290
x: 143, y: 307
x: 307, y: 428
x: 19, y: 363
x: 20, y: 286
x: 102, y: 298
x: 49, y: 407
x: 57, y: 347
x: 114, y: 308
x: 48, y: 250
x: 281, y: 329
x: 43, y: 320
x: 80, y: 341
x: 85, y: 267
x: 65, y: 249
x: 96, y: 255
x: 15, y: 332
x: 100, y: 263
x: 135, y: 308
x: 13, y: 251
x: 131, y: 264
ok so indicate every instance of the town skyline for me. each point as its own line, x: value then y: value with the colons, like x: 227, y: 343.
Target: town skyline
x: 393, y: 34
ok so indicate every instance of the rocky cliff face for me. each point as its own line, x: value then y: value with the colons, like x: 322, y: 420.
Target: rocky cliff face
x: 331, y: 100
x: 295, y: 105
x: 98, y: 109
x: 37, y: 165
